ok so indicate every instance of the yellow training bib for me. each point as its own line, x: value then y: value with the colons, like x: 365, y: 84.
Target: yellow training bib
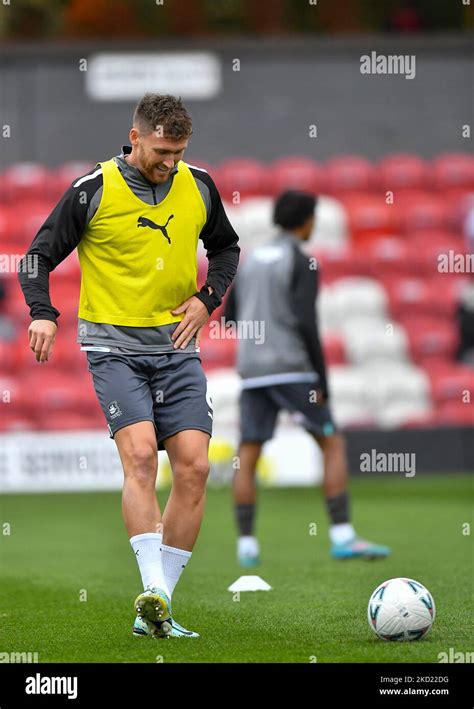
x: 139, y: 261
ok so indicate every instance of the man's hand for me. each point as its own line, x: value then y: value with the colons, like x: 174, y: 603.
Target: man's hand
x: 42, y: 334
x: 194, y: 320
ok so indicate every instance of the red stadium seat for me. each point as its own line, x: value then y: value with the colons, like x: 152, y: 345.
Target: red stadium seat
x: 453, y: 171
x: 54, y: 391
x: 409, y: 295
x: 16, y: 398
x: 455, y: 413
x: 433, y: 255
x: 64, y: 175
x: 68, y: 270
x: 240, y: 178
x: 431, y: 340
x: 296, y: 173
x: 390, y: 256
x: 453, y: 382
x: 427, y: 213
x: 369, y: 218
x: 7, y: 357
x: 342, y: 263
x: 14, y: 423
x: 31, y: 220
x: 25, y: 181
x: 333, y: 346
x: 413, y: 296
x: 217, y: 352
x: 402, y: 172
x: 8, y: 228
x: 350, y: 173
x: 70, y: 421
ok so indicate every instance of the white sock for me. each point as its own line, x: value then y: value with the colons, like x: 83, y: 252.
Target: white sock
x: 147, y: 548
x: 247, y: 546
x: 174, y: 562
x: 341, y: 533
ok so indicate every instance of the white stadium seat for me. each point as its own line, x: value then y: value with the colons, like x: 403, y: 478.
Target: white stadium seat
x: 374, y: 340
x: 330, y: 228
x: 359, y: 297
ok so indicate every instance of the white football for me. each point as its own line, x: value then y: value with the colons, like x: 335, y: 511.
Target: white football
x: 401, y: 609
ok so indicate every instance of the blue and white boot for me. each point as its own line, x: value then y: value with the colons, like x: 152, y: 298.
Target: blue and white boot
x: 153, y: 608
x: 248, y: 552
x: 140, y: 628
x: 358, y: 548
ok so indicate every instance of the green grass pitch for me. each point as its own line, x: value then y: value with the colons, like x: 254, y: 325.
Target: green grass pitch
x: 64, y: 546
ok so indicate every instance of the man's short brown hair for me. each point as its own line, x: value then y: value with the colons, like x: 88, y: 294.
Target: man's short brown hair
x: 165, y: 113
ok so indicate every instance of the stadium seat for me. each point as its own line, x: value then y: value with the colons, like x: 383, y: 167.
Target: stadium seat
x: 330, y: 231
x: 409, y: 295
x: 349, y: 173
x: 8, y: 228
x: 369, y: 217
x: 14, y: 423
x: 64, y: 175
x: 431, y: 251
x: 31, y: 220
x: 333, y: 347
x: 428, y: 213
x: 389, y: 256
x: 359, y: 297
x: 25, y: 181
x: 296, y: 173
x: 7, y: 358
x: 374, y: 340
x: 242, y: 178
x: 431, y: 339
x: 218, y: 352
x: 54, y: 391
x: 71, y: 421
x: 224, y: 389
x: 397, y: 392
x: 344, y: 263
x: 451, y: 382
x: 402, y: 414
x: 348, y: 398
x: 252, y: 220
x: 453, y: 171
x: 402, y: 172
x: 455, y: 413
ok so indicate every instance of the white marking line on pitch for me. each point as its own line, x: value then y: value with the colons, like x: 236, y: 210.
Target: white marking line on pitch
x: 249, y: 583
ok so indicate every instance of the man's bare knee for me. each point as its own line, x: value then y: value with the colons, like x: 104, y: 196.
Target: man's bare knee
x: 331, y: 445
x: 190, y: 477
x: 140, y: 460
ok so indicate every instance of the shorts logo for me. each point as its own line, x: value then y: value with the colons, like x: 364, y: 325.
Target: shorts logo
x: 114, y: 410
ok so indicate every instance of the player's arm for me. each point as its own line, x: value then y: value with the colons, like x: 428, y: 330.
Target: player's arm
x: 55, y: 240
x: 303, y: 292
x: 222, y: 251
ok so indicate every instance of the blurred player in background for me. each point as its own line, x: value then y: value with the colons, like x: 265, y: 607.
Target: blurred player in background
x: 136, y: 220
x: 277, y: 286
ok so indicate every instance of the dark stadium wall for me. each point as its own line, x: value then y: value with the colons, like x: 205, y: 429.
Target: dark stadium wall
x: 264, y: 110
x: 439, y: 450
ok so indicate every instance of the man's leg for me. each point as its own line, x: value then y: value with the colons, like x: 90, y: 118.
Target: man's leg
x: 345, y: 543
x: 189, y: 458
x: 258, y: 414
x: 245, y: 498
x: 138, y: 452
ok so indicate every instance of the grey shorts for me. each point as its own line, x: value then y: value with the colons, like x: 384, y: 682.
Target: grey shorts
x: 168, y: 389
x: 259, y: 409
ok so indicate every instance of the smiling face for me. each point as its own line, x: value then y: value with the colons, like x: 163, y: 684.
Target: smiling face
x: 154, y: 155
